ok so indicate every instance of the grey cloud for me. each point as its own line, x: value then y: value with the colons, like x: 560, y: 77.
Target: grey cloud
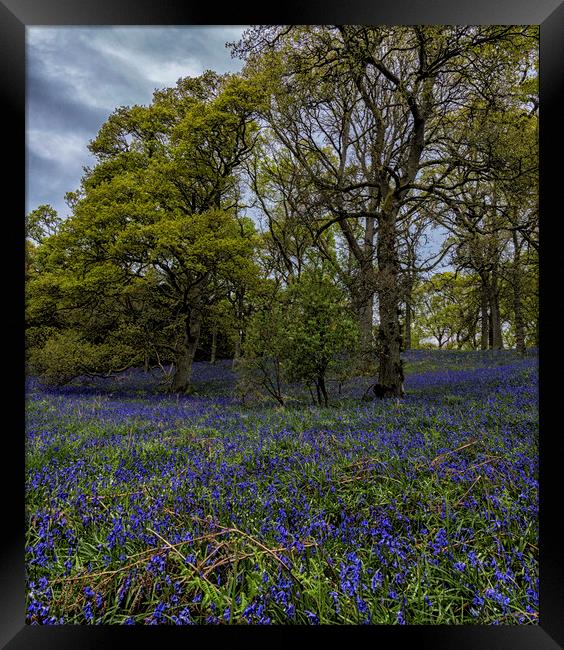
x: 76, y: 76
x: 51, y: 104
x: 49, y: 181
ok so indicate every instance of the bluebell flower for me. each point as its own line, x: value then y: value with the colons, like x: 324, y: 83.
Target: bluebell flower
x: 478, y: 600
x: 87, y: 611
x: 376, y: 581
x: 313, y: 618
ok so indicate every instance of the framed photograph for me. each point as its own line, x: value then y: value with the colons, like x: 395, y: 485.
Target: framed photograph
x: 289, y: 355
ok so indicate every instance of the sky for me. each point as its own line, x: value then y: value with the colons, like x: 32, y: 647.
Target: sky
x: 76, y: 77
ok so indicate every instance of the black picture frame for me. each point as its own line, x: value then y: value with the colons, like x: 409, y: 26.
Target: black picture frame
x: 15, y: 16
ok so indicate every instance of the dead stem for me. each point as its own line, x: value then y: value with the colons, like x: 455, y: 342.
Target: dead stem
x: 440, y: 457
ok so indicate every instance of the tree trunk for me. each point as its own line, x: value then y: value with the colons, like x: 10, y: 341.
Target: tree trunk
x: 473, y: 330
x: 237, y: 352
x: 496, y: 337
x: 367, y: 284
x: 485, y: 323
x: 182, y: 370
x: 495, y: 319
x: 318, y: 392
x: 363, y: 289
x: 490, y: 331
x: 181, y: 381
x: 213, y: 344
x: 390, y: 374
x: 517, y: 307
x: 407, y: 333
x: 240, y: 325
x: 322, y: 391
x: 364, y: 309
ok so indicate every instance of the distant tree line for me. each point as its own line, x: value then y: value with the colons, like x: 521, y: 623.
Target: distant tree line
x: 297, y: 217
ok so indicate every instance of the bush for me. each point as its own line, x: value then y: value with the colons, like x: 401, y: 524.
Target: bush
x: 305, y: 335
x: 66, y: 355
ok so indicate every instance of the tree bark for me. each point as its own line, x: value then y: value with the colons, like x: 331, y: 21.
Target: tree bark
x: 213, y: 344
x: 181, y: 382
x: 322, y: 391
x: 495, y: 319
x: 390, y: 374
x: 485, y: 321
x: 407, y: 333
x: 364, y: 304
x: 517, y: 290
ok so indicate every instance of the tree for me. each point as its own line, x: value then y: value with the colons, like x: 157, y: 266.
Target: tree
x: 359, y: 108
x: 154, y: 227
x: 305, y: 335
x: 261, y: 370
x: 42, y: 223
x: 446, y: 310
x: 320, y: 331
x: 492, y: 205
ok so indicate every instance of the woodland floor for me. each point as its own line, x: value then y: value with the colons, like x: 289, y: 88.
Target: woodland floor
x: 147, y: 508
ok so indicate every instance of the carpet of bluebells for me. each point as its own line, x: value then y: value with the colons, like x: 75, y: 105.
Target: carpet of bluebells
x: 148, y: 508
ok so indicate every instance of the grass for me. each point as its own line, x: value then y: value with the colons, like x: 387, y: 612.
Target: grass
x: 143, y: 508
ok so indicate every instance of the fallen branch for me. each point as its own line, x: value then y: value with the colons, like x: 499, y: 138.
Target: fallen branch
x: 266, y: 549
x: 243, y: 556
x: 467, y: 491
x: 491, y: 459
x: 142, y: 555
x: 361, y: 476
x: 154, y: 532
x: 440, y: 457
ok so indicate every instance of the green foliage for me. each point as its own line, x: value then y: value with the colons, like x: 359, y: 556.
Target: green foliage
x: 159, y: 248
x: 320, y: 328
x: 64, y: 355
x: 305, y: 334
x: 444, y: 311
x: 261, y: 369
x: 155, y: 237
x: 41, y: 223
